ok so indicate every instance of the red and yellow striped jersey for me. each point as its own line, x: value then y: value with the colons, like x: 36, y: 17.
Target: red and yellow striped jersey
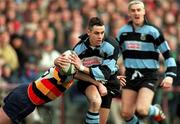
x: 49, y: 86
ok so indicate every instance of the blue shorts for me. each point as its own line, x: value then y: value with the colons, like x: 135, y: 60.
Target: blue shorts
x: 17, y: 104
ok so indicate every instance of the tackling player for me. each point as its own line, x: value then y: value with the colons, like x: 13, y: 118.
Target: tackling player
x: 25, y: 98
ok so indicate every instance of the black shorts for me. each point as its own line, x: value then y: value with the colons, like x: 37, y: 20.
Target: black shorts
x: 136, y: 79
x: 113, y: 87
x: 17, y: 104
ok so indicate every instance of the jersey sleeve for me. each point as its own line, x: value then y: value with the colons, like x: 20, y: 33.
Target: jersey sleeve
x: 163, y: 47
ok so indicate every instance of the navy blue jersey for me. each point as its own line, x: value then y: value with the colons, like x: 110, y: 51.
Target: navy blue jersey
x: 102, y: 60
x: 141, y: 47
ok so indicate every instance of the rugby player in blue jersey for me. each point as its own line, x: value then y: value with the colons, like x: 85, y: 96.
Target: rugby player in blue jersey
x: 97, y: 57
x: 140, y: 44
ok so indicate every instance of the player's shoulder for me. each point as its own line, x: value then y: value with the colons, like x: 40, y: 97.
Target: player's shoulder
x: 152, y: 27
x: 125, y: 28
x: 82, y: 39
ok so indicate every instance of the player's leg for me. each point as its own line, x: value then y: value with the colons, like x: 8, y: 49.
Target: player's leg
x: 94, y: 99
x: 4, y: 119
x: 113, y: 87
x: 144, y: 107
x: 144, y: 101
x: 105, y: 108
x: 104, y: 113
x: 128, y: 106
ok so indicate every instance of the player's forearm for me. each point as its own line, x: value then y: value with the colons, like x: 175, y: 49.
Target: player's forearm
x: 84, y: 69
x: 85, y: 77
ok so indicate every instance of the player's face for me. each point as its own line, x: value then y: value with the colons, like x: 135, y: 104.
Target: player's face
x: 137, y: 13
x: 96, y: 35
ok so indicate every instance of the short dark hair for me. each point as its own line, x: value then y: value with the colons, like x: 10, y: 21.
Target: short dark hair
x: 95, y: 21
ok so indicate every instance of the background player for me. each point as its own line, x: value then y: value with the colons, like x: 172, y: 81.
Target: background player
x: 140, y: 44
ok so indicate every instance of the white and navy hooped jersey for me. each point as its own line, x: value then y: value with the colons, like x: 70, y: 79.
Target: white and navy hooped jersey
x: 141, y: 47
x: 101, y: 60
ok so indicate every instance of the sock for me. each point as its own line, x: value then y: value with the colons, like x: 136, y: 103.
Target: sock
x: 92, y: 118
x: 133, y: 120
x: 153, y: 110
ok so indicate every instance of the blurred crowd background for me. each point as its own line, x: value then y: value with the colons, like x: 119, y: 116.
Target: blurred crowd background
x: 34, y: 32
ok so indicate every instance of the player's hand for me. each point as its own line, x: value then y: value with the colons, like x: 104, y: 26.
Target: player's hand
x: 122, y: 80
x: 167, y: 83
x: 102, y: 89
x: 76, y: 61
x: 61, y: 61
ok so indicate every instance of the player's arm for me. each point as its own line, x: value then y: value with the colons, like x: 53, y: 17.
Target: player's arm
x: 170, y: 63
x: 61, y: 62
x: 82, y: 76
x: 169, y: 60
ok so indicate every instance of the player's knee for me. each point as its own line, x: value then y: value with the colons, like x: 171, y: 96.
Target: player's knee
x: 95, y: 103
x: 126, y: 115
x: 141, y: 111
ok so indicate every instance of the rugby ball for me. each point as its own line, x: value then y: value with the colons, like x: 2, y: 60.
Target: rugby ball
x: 70, y: 68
